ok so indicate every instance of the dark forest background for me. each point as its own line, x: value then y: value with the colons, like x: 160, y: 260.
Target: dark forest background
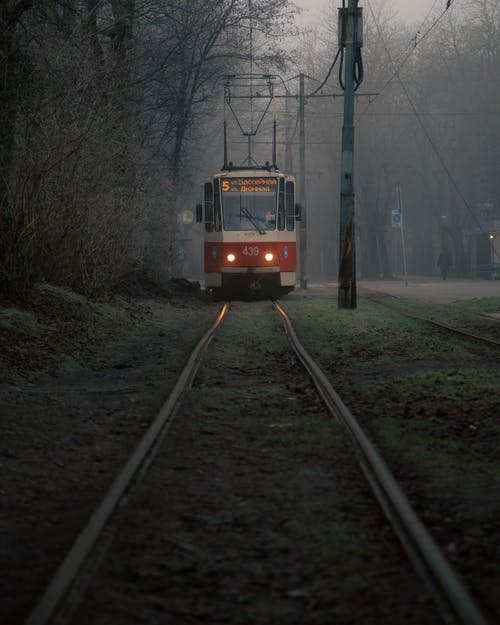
x: 110, y: 116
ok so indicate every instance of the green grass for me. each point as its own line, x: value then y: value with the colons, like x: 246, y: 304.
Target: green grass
x: 371, y: 334
x: 22, y: 320
x: 429, y: 400
x: 152, y: 398
x: 56, y: 331
x: 468, y: 315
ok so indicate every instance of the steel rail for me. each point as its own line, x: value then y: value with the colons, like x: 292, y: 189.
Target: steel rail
x: 439, y: 324
x: 67, y: 572
x: 383, y: 482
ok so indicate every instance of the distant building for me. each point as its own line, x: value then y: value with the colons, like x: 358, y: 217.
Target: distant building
x: 484, y: 251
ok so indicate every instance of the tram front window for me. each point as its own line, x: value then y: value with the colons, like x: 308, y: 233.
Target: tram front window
x: 249, y: 211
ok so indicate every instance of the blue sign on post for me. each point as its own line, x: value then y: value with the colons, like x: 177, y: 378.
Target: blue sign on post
x: 396, y: 219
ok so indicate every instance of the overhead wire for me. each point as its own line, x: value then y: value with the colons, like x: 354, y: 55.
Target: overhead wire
x: 292, y: 136
x: 358, y: 66
x: 427, y: 16
x: 339, y: 51
x: 419, y: 117
x: 415, y: 41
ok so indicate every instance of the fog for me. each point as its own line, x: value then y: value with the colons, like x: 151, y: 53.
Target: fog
x: 110, y: 121
x: 426, y: 133
x: 409, y: 11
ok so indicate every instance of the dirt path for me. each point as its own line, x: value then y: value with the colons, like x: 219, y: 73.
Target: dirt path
x: 64, y: 437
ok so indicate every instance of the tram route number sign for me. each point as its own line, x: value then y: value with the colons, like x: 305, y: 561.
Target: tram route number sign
x: 396, y: 219
x: 249, y: 185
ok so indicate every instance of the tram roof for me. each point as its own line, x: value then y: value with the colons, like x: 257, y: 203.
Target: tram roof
x: 251, y: 172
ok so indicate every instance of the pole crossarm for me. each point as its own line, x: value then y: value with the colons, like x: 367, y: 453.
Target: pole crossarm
x: 296, y: 96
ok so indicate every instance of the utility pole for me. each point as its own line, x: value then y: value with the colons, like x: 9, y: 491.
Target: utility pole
x: 401, y: 229
x: 302, y: 184
x: 347, y: 295
x: 288, y: 145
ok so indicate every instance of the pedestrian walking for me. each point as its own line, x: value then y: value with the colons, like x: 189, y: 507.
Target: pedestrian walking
x: 444, y: 263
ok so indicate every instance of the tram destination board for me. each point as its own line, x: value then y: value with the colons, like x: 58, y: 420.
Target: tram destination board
x: 249, y: 185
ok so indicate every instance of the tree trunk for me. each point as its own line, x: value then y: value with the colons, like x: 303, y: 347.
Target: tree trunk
x: 11, y: 75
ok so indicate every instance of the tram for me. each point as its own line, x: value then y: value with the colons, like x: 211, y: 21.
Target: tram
x: 250, y: 244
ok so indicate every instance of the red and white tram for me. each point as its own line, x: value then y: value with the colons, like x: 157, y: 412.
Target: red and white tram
x: 250, y: 244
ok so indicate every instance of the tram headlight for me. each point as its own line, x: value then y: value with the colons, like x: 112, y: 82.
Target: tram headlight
x: 231, y: 258
x: 269, y: 256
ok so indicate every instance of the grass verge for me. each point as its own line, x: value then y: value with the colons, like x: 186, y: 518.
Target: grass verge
x: 56, y: 331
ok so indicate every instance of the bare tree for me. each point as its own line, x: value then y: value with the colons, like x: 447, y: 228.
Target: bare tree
x: 101, y: 99
x: 429, y: 132
x: 195, y: 43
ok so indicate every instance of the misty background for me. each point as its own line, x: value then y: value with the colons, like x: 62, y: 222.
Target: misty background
x: 111, y: 118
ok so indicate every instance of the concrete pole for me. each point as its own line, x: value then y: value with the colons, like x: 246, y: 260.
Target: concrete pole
x: 302, y: 185
x: 401, y: 227
x: 288, y: 144
x: 347, y: 295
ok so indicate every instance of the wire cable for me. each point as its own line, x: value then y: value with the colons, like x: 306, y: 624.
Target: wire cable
x: 358, y: 61
x: 415, y: 37
x: 339, y: 51
x: 434, y: 147
x: 416, y: 42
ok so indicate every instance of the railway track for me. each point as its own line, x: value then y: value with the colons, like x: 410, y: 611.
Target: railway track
x: 389, y: 302
x: 454, y: 601
x: 419, y: 544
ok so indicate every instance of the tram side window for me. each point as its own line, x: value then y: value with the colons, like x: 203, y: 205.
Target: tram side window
x: 217, y: 215
x: 290, y: 206
x: 209, y: 207
x: 281, y: 205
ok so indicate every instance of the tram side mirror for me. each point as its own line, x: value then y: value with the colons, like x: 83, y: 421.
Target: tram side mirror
x: 298, y: 211
x: 199, y: 212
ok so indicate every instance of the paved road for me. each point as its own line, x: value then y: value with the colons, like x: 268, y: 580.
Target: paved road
x: 427, y: 289
x: 435, y: 290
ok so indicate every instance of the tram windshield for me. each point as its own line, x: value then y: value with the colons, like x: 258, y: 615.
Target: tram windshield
x: 249, y: 211
x: 249, y: 205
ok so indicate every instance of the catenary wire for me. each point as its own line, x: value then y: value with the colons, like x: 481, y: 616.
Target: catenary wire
x: 434, y: 147
x: 416, y: 43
